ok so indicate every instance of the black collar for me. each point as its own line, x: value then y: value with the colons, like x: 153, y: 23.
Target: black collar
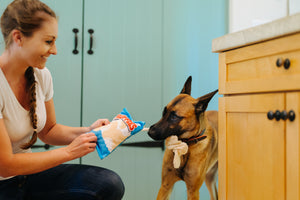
x: 194, y: 139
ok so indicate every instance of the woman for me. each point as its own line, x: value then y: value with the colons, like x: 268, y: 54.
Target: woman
x: 29, y: 28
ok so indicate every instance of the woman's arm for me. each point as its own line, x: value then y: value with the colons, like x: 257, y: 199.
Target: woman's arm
x: 79, y: 145
x: 29, y: 163
x: 57, y: 134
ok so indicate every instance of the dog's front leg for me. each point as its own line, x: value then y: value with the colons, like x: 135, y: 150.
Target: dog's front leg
x: 193, y: 189
x: 165, y: 190
x: 210, y: 181
x: 194, y: 178
x: 168, y: 178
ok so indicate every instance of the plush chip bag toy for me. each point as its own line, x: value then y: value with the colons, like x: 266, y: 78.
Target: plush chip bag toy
x: 116, y: 132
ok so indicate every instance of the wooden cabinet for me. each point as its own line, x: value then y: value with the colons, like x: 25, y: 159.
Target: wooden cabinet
x: 259, y: 157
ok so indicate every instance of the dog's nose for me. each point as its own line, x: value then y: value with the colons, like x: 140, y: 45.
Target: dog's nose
x: 152, y: 127
x: 153, y: 132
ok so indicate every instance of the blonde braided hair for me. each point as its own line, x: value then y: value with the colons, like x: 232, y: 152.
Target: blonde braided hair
x: 31, y: 87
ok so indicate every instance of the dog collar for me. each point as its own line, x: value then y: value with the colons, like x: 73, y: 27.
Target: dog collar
x: 194, y: 139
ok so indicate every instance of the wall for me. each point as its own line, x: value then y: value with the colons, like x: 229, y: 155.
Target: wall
x: 245, y: 14
x: 294, y: 6
x: 189, y: 27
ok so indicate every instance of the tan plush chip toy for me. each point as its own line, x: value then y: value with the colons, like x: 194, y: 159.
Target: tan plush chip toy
x: 116, y: 132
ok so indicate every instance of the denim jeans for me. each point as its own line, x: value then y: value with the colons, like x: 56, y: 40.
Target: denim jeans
x: 65, y: 182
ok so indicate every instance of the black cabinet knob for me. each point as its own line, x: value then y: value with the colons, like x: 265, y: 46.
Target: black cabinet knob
x: 277, y: 115
x: 284, y: 115
x: 287, y: 63
x: 270, y: 115
x: 292, y: 115
x: 279, y: 62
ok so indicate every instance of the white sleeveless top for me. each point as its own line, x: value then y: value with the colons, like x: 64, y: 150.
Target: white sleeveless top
x: 16, y: 118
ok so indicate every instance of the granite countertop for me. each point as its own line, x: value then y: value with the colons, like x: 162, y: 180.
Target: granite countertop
x: 284, y: 26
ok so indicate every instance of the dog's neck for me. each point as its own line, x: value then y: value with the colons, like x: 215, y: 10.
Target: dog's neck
x: 200, y: 135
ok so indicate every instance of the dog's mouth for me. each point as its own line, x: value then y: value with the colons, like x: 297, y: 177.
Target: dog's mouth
x: 155, y: 136
x: 159, y: 134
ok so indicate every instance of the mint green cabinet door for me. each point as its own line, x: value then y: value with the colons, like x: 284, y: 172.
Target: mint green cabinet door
x: 66, y: 67
x: 125, y: 70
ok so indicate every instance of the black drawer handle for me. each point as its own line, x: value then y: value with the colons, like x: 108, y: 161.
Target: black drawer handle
x: 75, y: 30
x: 45, y: 146
x: 146, y: 144
x: 90, y: 51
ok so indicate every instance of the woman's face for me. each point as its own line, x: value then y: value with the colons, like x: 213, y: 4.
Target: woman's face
x: 37, y: 48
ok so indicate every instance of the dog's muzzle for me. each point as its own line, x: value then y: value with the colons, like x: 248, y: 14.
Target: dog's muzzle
x: 154, y: 133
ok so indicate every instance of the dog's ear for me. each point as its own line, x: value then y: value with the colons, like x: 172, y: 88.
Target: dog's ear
x: 203, y: 102
x: 187, y: 86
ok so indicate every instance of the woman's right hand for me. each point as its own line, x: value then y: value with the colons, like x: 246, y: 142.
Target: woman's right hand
x: 82, y: 145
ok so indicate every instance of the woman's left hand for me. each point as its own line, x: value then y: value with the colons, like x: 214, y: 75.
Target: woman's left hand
x: 99, y: 123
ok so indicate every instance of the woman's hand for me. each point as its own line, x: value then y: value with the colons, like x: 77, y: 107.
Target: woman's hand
x: 99, y: 123
x: 82, y: 145
x: 86, y: 142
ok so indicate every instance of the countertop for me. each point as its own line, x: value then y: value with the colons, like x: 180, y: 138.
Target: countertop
x: 278, y: 28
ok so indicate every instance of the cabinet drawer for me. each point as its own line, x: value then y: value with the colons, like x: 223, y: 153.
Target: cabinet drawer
x: 253, y: 68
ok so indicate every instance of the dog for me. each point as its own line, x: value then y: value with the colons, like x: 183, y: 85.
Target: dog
x: 187, y: 118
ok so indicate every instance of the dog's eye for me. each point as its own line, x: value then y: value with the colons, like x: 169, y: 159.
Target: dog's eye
x: 174, y: 118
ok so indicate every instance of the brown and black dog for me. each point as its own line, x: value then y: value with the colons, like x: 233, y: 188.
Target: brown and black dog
x: 188, y: 119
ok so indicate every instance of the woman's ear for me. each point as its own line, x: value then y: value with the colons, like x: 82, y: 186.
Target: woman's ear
x: 17, y: 37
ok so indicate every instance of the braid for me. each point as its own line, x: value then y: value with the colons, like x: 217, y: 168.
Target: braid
x: 31, y: 85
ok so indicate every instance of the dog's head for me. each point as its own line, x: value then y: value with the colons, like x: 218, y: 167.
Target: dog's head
x: 182, y: 116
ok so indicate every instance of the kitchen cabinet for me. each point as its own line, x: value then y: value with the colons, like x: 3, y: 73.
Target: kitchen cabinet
x: 259, y: 120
